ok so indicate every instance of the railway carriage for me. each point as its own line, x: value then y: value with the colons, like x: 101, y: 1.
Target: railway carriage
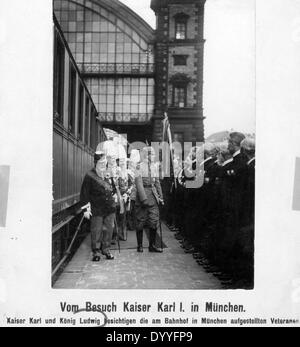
x: 76, y: 134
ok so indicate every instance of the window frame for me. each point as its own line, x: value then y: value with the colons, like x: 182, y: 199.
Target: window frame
x: 179, y: 31
x: 86, y: 121
x: 72, y: 99
x: 59, y: 79
x: 177, y: 57
x: 80, y: 119
x: 181, y: 20
x: 92, y: 139
x: 182, y: 87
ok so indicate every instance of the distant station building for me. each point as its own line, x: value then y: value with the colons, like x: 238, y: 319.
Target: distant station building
x: 179, y: 67
x: 134, y: 73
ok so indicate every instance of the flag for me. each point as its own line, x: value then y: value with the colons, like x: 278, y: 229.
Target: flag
x: 166, y: 127
x: 167, y: 137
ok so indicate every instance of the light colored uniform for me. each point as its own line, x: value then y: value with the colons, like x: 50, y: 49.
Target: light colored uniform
x: 147, y: 189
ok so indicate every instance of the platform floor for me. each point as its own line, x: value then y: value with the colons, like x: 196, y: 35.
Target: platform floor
x: 172, y: 269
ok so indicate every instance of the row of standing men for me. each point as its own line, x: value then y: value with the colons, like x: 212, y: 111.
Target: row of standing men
x: 215, y: 222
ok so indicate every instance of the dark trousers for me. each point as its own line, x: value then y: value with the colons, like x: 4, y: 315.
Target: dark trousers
x: 147, y: 217
x: 101, y: 232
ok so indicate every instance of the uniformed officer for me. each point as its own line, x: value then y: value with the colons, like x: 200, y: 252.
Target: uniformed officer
x: 237, y: 166
x: 246, y: 232
x: 192, y: 181
x: 232, y: 191
x: 98, y: 193
x: 125, y: 185
x: 133, y: 162
x: 202, y: 201
x: 206, y: 223
x: 248, y: 150
x: 191, y: 196
x: 147, y: 196
x: 223, y: 202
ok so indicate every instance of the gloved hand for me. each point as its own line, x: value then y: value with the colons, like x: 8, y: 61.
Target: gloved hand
x: 115, y: 197
x: 88, y: 211
x: 87, y: 215
x: 161, y: 201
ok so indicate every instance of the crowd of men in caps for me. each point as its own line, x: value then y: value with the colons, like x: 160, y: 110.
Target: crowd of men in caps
x: 213, y: 221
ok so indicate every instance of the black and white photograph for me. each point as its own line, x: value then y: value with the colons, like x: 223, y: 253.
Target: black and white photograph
x: 149, y: 166
x: 154, y: 144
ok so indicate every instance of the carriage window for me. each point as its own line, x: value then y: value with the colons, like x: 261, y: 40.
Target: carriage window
x: 86, y: 121
x: 72, y: 99
x: 93, y: 130
x: 59, y: 75
x: 80, y: 112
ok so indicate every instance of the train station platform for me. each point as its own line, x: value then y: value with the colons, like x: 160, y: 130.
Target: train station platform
x: 173, y: 269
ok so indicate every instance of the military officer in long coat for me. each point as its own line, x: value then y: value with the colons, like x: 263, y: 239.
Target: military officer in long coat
x: 248, y: 149
x: 232, y: 190
x: 98, y: 196
x: 246, y: 234
x: 147, y: 196
x: 205, y: 232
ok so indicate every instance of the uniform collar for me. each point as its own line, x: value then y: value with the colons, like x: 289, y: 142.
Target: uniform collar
x: 227, y: 161
x: 236, y: 153
x: 206, y: 160
x: 250, y: 161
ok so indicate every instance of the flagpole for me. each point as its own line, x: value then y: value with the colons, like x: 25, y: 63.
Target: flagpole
x: 169, y: 136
